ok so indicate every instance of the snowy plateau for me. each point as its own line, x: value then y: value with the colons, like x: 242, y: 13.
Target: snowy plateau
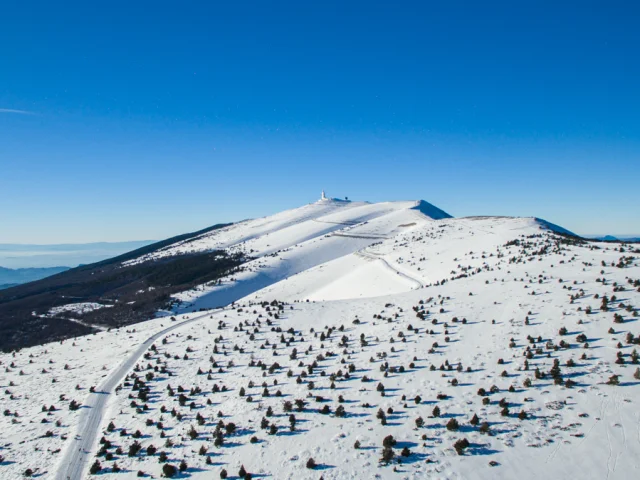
x: 359, y: 341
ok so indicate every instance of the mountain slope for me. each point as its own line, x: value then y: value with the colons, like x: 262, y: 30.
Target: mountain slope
x: 204, y: 269
x: 419, y: 255
x: 296, y: 241
x: 43, y: 311
x: 411, y: 336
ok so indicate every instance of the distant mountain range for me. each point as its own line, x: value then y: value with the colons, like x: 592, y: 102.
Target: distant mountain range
x: 10, y: 277
x: 611, y: 238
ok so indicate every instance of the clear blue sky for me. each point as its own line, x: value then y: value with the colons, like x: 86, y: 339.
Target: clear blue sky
x: 136, y: 120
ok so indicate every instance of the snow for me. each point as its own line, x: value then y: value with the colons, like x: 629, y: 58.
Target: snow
x: 245, y: 231
x: 77, y: 308
x: 82, y: 362
x: 434, y: 251
x: 299, y: 240
x: 489, y: 288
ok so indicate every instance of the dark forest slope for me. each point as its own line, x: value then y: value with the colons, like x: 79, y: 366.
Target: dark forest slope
x: 135, y: 292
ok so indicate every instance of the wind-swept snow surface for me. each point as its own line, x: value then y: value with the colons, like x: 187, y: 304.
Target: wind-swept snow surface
x: 420, y: 254
x: 297, y: 240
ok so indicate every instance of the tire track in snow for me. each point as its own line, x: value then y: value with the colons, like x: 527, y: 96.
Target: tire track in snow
x: 608, y: 443
x: 616, y: 436
x: 618, y: 433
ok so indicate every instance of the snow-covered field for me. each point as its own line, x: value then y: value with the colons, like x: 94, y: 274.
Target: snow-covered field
x: 401, y: 325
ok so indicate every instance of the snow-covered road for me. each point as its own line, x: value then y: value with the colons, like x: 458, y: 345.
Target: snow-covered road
x: 78, y: 454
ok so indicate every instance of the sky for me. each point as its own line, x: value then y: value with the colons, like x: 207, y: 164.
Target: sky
x: 142, y: 120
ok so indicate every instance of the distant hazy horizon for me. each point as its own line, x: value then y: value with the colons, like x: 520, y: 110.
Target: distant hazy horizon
x: 619, y: 237
x: 23, y: 255
x: 71, y: 255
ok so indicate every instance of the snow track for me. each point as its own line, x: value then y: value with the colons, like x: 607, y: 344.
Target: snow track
x: 78, y: 454
x: 418, y: 283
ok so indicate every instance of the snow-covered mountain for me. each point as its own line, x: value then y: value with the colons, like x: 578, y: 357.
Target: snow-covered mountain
x: 294, y: 241
x: 383, y: 340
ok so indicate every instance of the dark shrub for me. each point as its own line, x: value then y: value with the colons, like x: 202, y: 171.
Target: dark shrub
x: 169, y: 470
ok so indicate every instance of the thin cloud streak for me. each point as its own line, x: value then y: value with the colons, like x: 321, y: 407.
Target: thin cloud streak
x: 11, y: 110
